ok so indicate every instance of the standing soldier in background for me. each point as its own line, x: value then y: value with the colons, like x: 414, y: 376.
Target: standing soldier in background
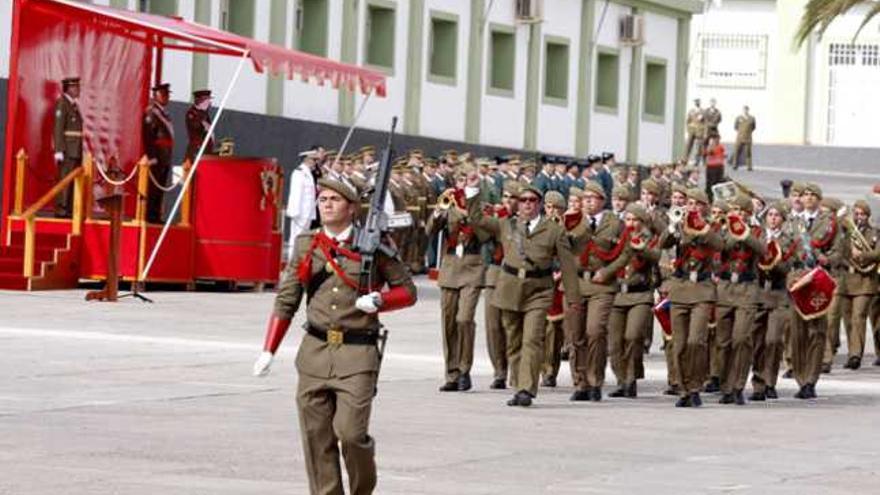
x: 695, y: 130
x: 858, y: 284
x: 460, y: 281
x: 545, y: 180
x: 524, y: 289
x: 158, y: 141
x: 67, y: 141
x: 712, y: 119
x: 338, y: 359
x: 742, y: 149
x: 198, y: 121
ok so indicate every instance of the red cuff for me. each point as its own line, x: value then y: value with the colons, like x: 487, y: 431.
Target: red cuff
x: 275, y: 333
x: 396, y: 298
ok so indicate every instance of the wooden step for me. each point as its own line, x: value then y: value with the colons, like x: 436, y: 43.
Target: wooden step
x: 13, y: 282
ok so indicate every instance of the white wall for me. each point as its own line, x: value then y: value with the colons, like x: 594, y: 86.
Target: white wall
x: 442, y: 107
x: 556, y: 123
x: 608, y: 132
x: 502, y: 120
x: 5, y: 33
x: 655, y: 139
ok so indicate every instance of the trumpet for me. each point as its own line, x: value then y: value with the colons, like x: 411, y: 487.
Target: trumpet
x: 857, y: 241
x: 676, y: 215
x: 556, y: 218
x: 446, y: 200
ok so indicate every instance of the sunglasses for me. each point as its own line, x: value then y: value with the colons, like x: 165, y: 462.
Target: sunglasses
x: 529, y: 199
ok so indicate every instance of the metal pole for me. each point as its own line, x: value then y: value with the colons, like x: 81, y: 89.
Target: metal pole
x: 351, y: 129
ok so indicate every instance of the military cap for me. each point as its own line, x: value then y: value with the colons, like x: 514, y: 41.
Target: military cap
x: 308, y: 153
x: 512, y: 188
x: 651, y: 186
x: 367, y: 149
x: 555, y: 198
x: 463, y: 170
x: 832, y: 204
x: 546, y: 159
x: 639, y: 212
x: 202, y: 93
x: 697, y: 194
x: 812, y: 187
x: 721, y: 205
x: 524, y: 188
x: 529, y: 165
x: 781, y: 206
x: 166, y: 87
x: 512, y: 158
x: 575, y: 191
x: 342, y: 188
x: 620, y: 192
x: 591, y: 159
x: 593, y: 187
x: 416, y: 152
x: 742, y: 202
x: 607, y: 155
x: 797, y: 188
x: 863, y: 205
x: 70, y: 81
x: 679, y: 188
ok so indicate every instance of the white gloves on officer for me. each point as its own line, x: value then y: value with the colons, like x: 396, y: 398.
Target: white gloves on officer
x: 369, y: 303
x: 264, y: 362
x: 59, y: 156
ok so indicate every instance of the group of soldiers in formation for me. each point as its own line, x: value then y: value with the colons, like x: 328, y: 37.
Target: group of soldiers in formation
x: 157, y: 137
x: 703, y: 134
x: 572, y: 258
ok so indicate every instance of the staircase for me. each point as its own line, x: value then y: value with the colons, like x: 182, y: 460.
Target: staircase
x: 55, y: 262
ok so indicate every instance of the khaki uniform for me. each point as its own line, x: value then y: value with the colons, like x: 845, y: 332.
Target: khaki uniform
x: 712, y: 119
x: 807, y: 337
x: 736, y: 308
x: 461, y: 278
x: 858, y: 288
x: 68, y: 140
x: 337, y: 382
x: 695, y: 130
x: 773, y: 317
x: 414, y: 196
x: 524, y: 287
x: 692, y: 295
x: 602, y: 250
x: 496, y: 339
x: 632, y: 316
x: 742, y: 149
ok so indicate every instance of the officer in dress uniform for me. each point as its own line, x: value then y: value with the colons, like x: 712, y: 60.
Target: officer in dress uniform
x: 67, y: 140
x: 338, y: 359
x: 198, y: 121
x: 158, y: 141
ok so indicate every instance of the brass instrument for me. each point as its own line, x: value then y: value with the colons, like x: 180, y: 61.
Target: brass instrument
x: 676, y: 214
x: 556, y: 218
x: 857, y: 241
x: 446, y: 199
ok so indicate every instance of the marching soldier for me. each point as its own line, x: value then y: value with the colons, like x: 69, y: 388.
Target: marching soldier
x: 692, y: 294
x: 460, y: 280
x: 554, y: 207
x: 158, y: 140
x: 737, y: 299
x: 816, y: 233
x: 742, y: 149
x: 838, y: 312
x: 601, y: 242
x: 198, y: 121
x: 496, y: 339
x: 67, y: 141
x: 695, y: 131
x: 773, y: 317
x: 338, y: 359
x: 620, y: 197
x: 546, y: 180
x: 858, y: 284
x: 524, y: 289
x: 631, y: 317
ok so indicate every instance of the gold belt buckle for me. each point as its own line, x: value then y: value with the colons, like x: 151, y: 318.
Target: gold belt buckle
x: 624, y: 287
x: 521, y: 273
x: 588, y: 276
x: 734, y: 277
x: 694, y: 276
x: 334, y: 336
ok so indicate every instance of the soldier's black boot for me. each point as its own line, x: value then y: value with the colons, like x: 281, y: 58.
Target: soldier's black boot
x: 581, y: 395
x: 811, y: 391
x: 620, y: 392
x: 521, y: 398
x: 758, y: 396
x: 631, y: 391
x: 464, y: 382
x: 449, y: 387
x: 854, y: 363
x: 826, y: 368
x: 738, y: 398
x: 726, y: 398
x: 788, y: 374
x: 684, y: 401
x: 498, y: 384
x: 596, y: 394
x: 771, y: 393
x: 714, y: 385
x: 802, y: 393
x: 877, y: 361
x: 696, y: 400
x: 549, y: 381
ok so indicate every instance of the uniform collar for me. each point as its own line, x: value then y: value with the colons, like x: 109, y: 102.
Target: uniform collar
x: 70, y: 98
x: 343, y: 236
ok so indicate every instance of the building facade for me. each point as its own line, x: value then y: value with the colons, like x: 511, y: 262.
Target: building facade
x: 821, y: 93
x: 564, y: 81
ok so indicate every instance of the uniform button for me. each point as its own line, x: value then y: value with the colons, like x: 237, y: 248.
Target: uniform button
x: 336, y: 289
x: 333, y: 307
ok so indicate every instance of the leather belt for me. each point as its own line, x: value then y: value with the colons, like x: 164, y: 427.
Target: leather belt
x: 73, y: 134
x: 339, y: 336
x: 626, y: 288
x: 467, y: 251
x: 523, y: 273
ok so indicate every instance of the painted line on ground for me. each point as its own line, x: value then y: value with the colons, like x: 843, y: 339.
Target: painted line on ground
x: 825, y: 173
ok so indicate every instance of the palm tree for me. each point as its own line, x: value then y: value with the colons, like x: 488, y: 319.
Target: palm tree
x: 819, y: 14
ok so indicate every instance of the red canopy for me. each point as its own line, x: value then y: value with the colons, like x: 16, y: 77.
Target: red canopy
x: 204, y: 39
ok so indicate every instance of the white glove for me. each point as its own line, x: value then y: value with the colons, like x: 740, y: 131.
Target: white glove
x: 369, y: 303
x: 264, y: 362
x: 59, y: 156
x: 470, y: 192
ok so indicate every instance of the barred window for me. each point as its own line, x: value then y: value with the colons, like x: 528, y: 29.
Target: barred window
x: 853, y: 54
x: 732, y: 60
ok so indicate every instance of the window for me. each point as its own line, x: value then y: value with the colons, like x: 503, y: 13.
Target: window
x: 655, y: 89
x: 502, y: 60
x: 443, y: 47
x: 238, y: 16
x: 311, y: 25
x: 607, y: 79
x: 380, y: 34
x: 160, y: 7
x: 732, y: 60
x: 556, y: 70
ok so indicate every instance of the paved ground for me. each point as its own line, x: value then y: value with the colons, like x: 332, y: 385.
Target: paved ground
x: 144, y: 399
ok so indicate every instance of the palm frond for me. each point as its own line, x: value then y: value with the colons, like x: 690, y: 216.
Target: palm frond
x: 875, y: 10
x: 819, y: 14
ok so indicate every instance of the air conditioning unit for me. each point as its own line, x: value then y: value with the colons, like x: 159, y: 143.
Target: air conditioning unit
x: 632, y: 30
x: 528, y: 11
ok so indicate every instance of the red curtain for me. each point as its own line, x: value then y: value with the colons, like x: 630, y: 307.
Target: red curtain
x: 115, y: 72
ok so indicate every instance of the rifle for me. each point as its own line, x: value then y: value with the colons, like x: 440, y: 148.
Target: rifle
x: 369, y: 236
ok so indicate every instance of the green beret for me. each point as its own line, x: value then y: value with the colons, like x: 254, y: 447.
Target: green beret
x: 862, y: 205
x: 742, y: 202
x: 512, y: 188
x: 698, y: 194
x: 639, y: 212
x: 554, y: 198
x: 812, y: 187
x: 347, y: 192
x: 593, y: 187
x: 651, y: 186
x: 620, y: 192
